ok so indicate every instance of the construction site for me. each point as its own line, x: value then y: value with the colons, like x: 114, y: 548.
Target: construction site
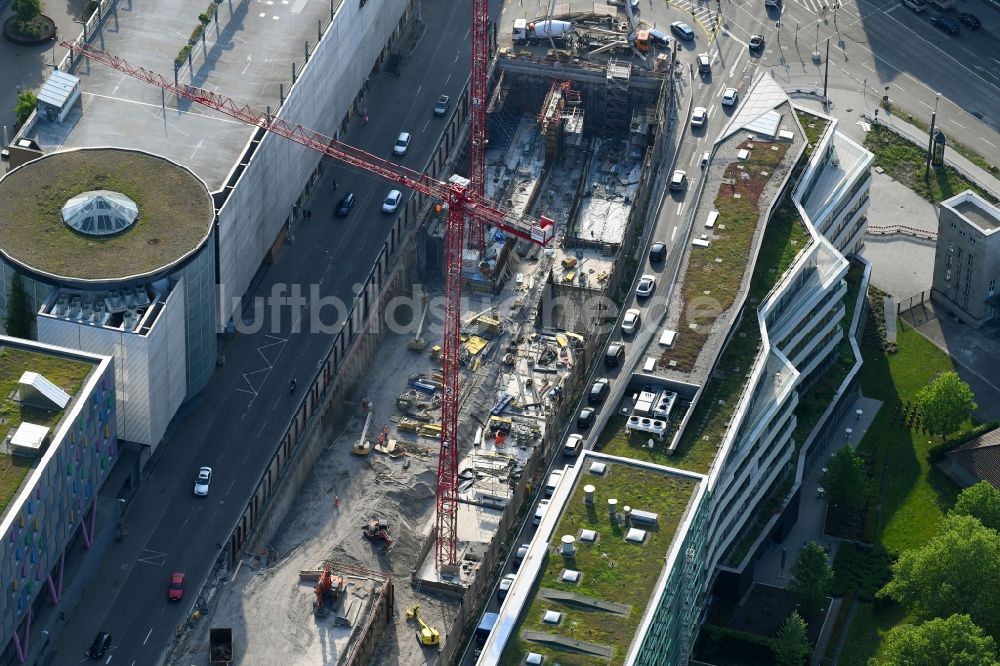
x: 359, y: 571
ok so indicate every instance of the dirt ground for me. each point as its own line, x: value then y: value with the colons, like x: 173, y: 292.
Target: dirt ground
x: 271, y: 611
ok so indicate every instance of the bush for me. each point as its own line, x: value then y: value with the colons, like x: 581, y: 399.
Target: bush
x: 860, y: 570
x: 26, y: 11
x: 715, y: 641
x: 182, y: 56
x: 937, y: 453
x: 196, y: 34
x: 26, y: 101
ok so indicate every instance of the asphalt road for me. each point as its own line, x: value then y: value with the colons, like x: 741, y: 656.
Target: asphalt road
x: 234, y: 423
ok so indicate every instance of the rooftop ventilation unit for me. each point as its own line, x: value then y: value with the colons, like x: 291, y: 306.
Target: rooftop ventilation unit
x: 644, y: 517
x: 588, y: 536
x: 552, y: 617
x: 635, y: 535
x: 570, y: 576
x: 588, y: 494
x: 598, y: 468
x: 568, y: 548
x: 129, y: 297
x: 114, y: 302
x: 141, y: 297
x: 61, y: 306
x: 612, y: 506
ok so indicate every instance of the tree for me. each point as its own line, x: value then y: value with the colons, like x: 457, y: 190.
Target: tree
x: 954, y: 572
x: 945, y: 403
x: 846, y: 479
x: 955, y: 641
x: 791, y: 647
x: 26, y: 101
x: 26, y: 10
x: 981, y: 501
x: 18, y: 321
x: 811, y: 578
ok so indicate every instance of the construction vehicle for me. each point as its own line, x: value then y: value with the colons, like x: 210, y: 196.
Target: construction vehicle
x: 465, y: 203
x: 428, y: 635
x: 220, y: 645
x: 377, y: 529
x: 535, y: 31
x: 329, y: 588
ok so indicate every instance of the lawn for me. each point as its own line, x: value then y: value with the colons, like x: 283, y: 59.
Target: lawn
x: 612, y: 569
x: 867, y: 630
x: 906, y: 162
x: 959, y: 148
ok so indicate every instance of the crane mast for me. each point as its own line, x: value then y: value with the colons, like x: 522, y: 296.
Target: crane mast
x: 465, y: 205
x: 479, y: 89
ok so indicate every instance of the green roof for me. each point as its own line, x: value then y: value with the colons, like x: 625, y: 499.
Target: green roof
x: 613, y: 570
x: 68, y: 374
x: 176, y: 214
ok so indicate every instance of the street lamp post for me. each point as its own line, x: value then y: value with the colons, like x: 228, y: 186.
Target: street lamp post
x: 930, y: 139
x: 816, y: 48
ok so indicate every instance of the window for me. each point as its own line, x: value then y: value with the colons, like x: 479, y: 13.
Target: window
x: 993, y: 287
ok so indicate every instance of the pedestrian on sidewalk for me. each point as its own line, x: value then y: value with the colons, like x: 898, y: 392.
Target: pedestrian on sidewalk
x: 336, y: 502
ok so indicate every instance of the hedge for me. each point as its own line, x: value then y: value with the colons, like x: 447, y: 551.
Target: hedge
x: 937, y: 453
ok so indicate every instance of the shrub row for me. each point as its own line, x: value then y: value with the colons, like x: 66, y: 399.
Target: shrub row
x: 937, y: 453
x: 204, y: 19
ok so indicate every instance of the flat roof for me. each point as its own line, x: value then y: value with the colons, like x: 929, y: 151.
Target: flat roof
x: 250, y: 51
x: 66, y: 373
x: 833, y: 174
x: 601, y: 612
x: 976, y: 210
x: 175, y: 214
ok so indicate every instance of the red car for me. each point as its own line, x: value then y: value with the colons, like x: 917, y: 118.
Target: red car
x: 176, y: 589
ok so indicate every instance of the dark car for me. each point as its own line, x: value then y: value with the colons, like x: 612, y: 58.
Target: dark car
x: 441, y: 107
x: 658, y: 251
x: 598, y: 391
x: 101, y: 644
x: 585, y: 419
x: 614, y: 355
x: 756, y: 42
x: 659, y: 37
x: 946, y: 23
x: 971, y: 21
x: 345, y: 205
x: 682, y: 30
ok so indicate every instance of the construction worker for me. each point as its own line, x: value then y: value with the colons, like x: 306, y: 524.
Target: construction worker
x: 336, y: 502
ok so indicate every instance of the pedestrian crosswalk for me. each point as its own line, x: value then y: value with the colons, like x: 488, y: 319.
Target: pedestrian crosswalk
x: 818, y: 7
x: 703, y: 12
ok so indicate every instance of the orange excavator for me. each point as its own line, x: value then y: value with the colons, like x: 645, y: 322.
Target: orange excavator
x: 328, y: 589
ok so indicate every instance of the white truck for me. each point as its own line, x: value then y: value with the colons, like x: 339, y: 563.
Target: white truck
x: 535, y: 31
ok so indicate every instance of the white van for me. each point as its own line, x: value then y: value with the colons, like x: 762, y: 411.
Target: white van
x: 553, y: 482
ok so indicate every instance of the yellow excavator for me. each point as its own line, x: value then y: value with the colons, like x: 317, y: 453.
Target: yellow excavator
x: 428, y: 635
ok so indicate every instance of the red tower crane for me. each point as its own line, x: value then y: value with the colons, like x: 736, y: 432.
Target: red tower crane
x: 479, y: 89
x: 461, y: 202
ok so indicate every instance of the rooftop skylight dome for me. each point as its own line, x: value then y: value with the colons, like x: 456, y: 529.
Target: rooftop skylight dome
x: 100, y: 213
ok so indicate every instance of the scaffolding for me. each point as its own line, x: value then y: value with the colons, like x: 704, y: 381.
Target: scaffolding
x: 616, y: 118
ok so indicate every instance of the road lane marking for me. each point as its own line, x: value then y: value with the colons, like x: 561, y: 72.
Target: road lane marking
x: 679, y: 207
x: 926, y: 104
x: 989, y: 142
x: 959, y: 124
x: 148, y: 634
x: 672, y: 234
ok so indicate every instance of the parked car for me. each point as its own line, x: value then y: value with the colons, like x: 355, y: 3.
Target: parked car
x: 682, y: 31
x: 100, y: 645
x: 699, y: 116
x: 630, y: 323
x: 441, y: 107
x: 391, y: 202
x: 505, y: 584
x: 971, y: 21
x: 540, y: 511
x: 585, y: 418
x: 175, y: 591
x: 647, y: 283
x: 553, y: 482
x: 946, y: 23
x: 678, y: 180
x: 730, y: 96
x: 659, y: 37
x: 598, y: 391
x: 202, y: 482
x: 345, y: 205
x: 915, y: 5
x: 402, y: 144
x: 756, y: 42
x: 658, y: 251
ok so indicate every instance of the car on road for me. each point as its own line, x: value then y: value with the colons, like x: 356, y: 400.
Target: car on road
x: 647, y: 283
x: 402, y: 144
x: 659, y: 37
x: 202, y: 482
x: 574, y: 443
x: 682, y: 30
x: 585, y: 419
x: 615, y: 354
x: 631, y: 321
x: 540, y: 511
x: 699, y: 116
x: 175, y: 591
x: 946, y: 23
x: 678, y: 180
x: 100, y: 645
x: 521, y: 553
x: 658, y: 251
x: 553, y: 482
x: 704, y: 63
x: 345, y: 205
x: 756, y: 42
x: 915, y: 5
x: 506, y: 583
x: 391, y: 202
x: 730, y: 96
x: 706, y: 157
x: 971, y: 21
x: 598, y: 391
x: 441, y: 107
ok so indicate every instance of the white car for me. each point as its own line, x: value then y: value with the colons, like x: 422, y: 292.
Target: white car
x: 706, y: 157
x: 506, y: 583
x: 678, y: 180
x: 631, y: 321
x: 402, y: 143
x: 645, y: 287
x: 391, y: 202
x: 730, y: 96
x: 699, y: 116
x: 540, y: 511
x: 201, y: 483
x: 522, y: 552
